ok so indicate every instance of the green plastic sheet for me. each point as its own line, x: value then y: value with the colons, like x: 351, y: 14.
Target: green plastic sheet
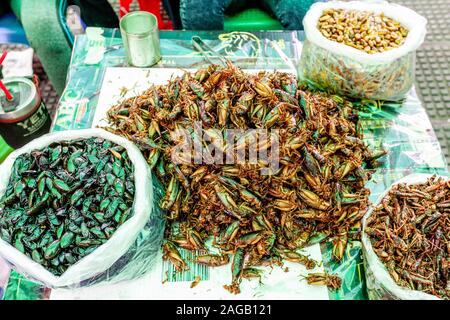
x: 402, y: 128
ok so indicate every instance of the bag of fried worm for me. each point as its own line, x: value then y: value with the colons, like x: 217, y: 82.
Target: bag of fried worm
x: 72, y: 231
x: 361, y: 50
x: 380, y: 284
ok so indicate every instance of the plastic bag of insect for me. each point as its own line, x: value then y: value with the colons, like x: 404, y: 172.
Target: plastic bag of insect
x: 361, y: 50
x: 78, y: 208
x: 405, y: 240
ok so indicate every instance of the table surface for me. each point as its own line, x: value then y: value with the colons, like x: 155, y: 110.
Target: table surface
x: 403, y: 129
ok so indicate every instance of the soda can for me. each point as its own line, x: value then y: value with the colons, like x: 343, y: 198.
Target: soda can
x: 25, y: 117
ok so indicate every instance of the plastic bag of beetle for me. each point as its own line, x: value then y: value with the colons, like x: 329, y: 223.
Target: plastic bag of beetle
x: 82, y: 210
x: 380, y: 283
x: 361, y: 50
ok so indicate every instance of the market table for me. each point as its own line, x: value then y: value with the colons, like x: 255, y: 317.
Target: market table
x: 401, y: 128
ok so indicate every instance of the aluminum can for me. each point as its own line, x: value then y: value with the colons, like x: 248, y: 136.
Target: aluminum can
x: 25, y: 117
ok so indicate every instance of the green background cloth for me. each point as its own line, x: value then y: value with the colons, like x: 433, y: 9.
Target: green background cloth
x: 195, y: 15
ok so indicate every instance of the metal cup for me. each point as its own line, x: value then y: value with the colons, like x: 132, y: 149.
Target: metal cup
x: 140, y: 37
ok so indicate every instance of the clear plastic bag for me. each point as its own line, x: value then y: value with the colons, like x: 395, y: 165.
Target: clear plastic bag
x: 131, y: 250
x: 380, y: 285
x: 345, y: 70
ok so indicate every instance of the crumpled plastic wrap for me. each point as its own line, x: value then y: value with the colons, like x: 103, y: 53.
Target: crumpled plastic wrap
x: 344, y: 70
x: 132, y: 249
x: 341, y: 75
x: 380, y: 285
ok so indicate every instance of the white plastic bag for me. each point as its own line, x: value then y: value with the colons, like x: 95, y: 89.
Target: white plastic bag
x: 380, y: 285
x: 345, y: 70
x: 127, y: 254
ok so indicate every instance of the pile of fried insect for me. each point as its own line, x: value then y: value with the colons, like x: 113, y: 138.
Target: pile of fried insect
x: 316, y: 192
